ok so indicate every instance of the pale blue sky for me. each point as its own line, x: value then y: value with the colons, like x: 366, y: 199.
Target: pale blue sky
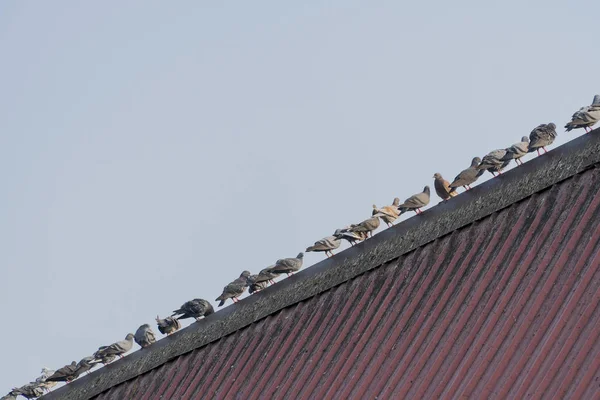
x: 150, y: 151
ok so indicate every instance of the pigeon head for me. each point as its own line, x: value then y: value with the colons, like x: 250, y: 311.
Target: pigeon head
x: 475, y: 161
x: 437, y: 175
x: 129, y: 336
x: 426, y: 189
x: 145, y: 326
x: 375, y: 210
x: 525, y: 139
x: 551, y: 125
x: 596, y: 100
x: 300, y: 256
x: 245, y: 274
x: 396, y: 201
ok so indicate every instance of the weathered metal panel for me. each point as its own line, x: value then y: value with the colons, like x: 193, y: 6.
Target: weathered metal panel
x: 506, y: 307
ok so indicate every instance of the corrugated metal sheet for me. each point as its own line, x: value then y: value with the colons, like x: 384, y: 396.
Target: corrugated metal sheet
x: 507, y: 307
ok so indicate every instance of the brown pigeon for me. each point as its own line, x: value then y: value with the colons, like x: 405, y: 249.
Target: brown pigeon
x: 442, y: 187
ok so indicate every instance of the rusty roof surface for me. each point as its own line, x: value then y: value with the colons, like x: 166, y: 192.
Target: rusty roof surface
x: 494, y: 294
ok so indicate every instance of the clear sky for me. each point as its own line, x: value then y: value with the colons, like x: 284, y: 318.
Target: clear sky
x: 150, y: 151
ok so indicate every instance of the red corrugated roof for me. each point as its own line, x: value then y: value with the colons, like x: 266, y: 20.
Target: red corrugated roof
x: 506, y: 307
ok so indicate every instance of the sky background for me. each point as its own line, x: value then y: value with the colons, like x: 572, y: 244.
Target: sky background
x: 150, y: 151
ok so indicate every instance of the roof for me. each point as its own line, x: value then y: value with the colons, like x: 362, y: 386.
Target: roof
x: 492, y: 294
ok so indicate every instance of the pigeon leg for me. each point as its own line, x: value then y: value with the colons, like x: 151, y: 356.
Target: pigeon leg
x: 331, y: 252
x: 545, y: 151
x: 234, y: 299
x: 469, y: 186
x: 538, y: 151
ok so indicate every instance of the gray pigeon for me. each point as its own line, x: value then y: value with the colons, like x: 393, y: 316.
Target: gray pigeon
x: 168, y: 325
x: 257, y: 286
x: 30, y: 391
x: 85, y: 364
x: 266, y: 275
x: 494, y: 162
x: 467, y: 176
x: 288, y: 265
x: 64, y: 374
x: 144, y: 336
x: 541, y: 136
x: 517, y: 150
x: 352, y: 237
x: 327, y: 244
x: 235, y: 289
x: 586, y: 117
x: 368, y: 225
x: 108, y: 353
x: 196, y: 308
x: 415, y: 202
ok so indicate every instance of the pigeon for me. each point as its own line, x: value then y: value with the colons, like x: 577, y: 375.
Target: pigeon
x: 257, y: 286
x: 196, y: 308
x: 266, y: 275
x: 389, y: 214
x: 41, y: 380
x: 368, y: 225
x: 442, y: 187
x: 168, y: 325
x: 467, y: 176
x: 30, y: 391
x: 64, y: 374
x: 542, y: 136
x: 517, y: 150
x: 494, y: 162
x: 234, y: 289
x: 288, y: 265
x: 106, y: 354
x: 85, y: 364
x: 327, y: 244
x: 586, y: 117
x: 352, y: 237
x: 415, y: 202
x: 144, y: 336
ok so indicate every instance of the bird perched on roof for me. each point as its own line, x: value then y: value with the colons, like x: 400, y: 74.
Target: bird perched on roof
x: 586, y: 117
x: 389, y: 214
x: 541, y: 136
x: 257, y: 286
x: 368, y: 225
x: 327, y: 244
x: 467, y: 176
x: 416, y: 201
x: 442, y: 187
x: 41, y: 380
x: 30, y: 391
x: 64, y: 374
x: 144, y: 336
x: 168, y: 325
x: 288, y: 265
x: 517, y: 150
x: 196, y: 308
x: 235, y: 289
x: 265, y: 275
x: 85, y: 364
x: 105, y: 354
x: 494, y: 162
x: 352, y: 237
